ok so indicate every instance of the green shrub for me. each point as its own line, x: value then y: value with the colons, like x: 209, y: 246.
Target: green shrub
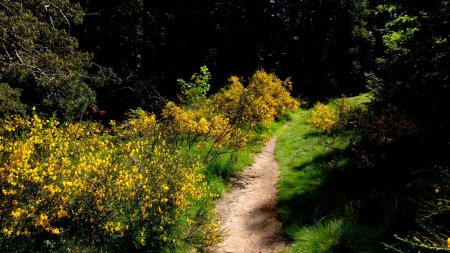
x: 10, y: 100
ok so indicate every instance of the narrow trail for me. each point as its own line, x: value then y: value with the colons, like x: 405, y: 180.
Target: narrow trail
x: 248, y: 213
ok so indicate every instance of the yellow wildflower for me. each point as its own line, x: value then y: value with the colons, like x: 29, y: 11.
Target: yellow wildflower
x: 55, y: 231
x: 323, y: 117
x: 7, y: 231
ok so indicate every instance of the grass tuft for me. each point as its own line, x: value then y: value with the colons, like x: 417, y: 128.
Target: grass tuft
x: 320, y: 238
x: 335, y: 235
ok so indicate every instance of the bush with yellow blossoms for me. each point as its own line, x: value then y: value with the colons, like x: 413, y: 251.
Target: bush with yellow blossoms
x: 133, y: 186
x: 339, y: 114
x: 323, y: 117
x: 227, y: 119
x: 265, y: 99
x: 63, y: 180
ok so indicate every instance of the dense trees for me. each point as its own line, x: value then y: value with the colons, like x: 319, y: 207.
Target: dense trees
x: 329, y: 47
x: 413, y: 68
x: 323, y: 46
x: 40, y: 58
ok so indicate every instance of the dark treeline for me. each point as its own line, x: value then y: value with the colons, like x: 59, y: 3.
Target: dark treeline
x: 68, y: 55
x: 324, y: 46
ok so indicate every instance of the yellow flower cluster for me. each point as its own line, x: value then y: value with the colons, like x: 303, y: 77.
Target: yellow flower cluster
x: 323, y: 117
x: 131, y: 180
x: 186, y: 121
x: 140, y: 123
x: 228, y: 117
x: 265, y: 98
x: 203, y: 125
x: 53, y: 176
x: 339, y: 114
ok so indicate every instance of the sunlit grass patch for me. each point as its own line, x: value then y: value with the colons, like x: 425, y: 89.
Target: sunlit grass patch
x: 318, y: 191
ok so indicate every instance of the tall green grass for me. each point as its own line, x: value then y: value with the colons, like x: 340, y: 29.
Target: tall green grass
x: 318, y: 195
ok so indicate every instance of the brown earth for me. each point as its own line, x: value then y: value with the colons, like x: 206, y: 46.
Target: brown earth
x: 248, y: 213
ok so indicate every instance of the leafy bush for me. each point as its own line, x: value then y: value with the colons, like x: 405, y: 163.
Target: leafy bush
x: 228, y: 118
x: 79, y: 179
x: 10, y: 100
x: 386, y: 126
x: 133, y: 186
x: 195, y: 91
x: 338, y: 115
x: 323, y: 118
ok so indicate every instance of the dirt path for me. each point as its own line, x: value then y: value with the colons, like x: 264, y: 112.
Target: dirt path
x: 248, y: 213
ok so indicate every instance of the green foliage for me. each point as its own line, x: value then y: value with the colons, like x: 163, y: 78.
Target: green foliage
x: 400, y: 29
x: 195, y: 90
x: 405, y: 134
x: 412, y: 66
x: 39, y: 56
x: 10, y: 100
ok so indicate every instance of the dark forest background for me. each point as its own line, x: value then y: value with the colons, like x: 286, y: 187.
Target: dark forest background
x: 126, y: 54
x: 324, y: 46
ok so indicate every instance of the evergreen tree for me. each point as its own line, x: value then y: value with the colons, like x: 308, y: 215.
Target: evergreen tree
x: 39, y: 56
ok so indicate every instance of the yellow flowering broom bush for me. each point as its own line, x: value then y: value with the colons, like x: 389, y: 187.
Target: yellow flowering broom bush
x: 228, y: 118
x: 338, y: 115
x: 264, y: 99
x: 323, y: 117
x: 131, y: 186
x: 79, y: 179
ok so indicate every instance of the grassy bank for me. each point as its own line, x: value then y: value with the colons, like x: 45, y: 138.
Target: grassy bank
x: 319, y: 196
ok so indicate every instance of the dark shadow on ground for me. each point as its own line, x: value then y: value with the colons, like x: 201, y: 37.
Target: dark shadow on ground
x: 377, y: 196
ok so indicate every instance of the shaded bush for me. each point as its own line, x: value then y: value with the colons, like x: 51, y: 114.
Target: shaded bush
x: 10, y: 100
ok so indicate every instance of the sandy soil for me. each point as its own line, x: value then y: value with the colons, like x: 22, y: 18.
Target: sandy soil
x: 248, y: 213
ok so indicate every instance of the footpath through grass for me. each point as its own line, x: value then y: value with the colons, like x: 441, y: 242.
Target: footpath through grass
x: 319, y: 196
x: 220, y: 171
